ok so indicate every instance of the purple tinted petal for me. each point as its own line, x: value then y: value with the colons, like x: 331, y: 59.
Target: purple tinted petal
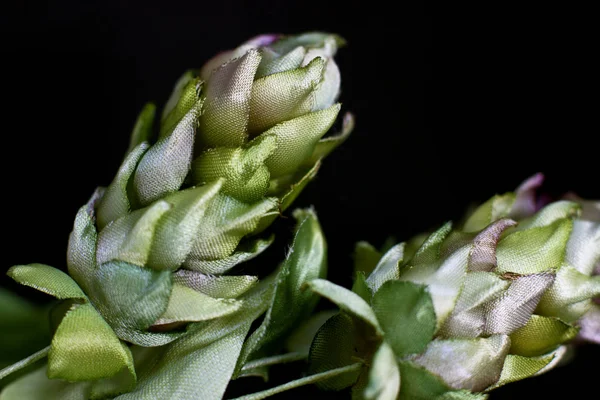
x: 525, y: 202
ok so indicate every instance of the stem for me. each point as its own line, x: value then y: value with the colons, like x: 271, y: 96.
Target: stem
x: 24, y: 362
x: 278, y: 359
x: 301, y: 382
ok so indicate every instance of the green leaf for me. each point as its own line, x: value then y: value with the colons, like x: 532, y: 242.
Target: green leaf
x: 84, y: 347
x: 187, y: 305
x: 246, y: 250
x: 346, y: 300
x: 387, y: 269
x: 227, y: 287
x: 243, y: 169
x: 48, y: 280
x: 418, y: 383
x: 115, y: 203
x: 224, y: 120
x: 337, y: 344
x: 366, y: 257
x: 296, y: 140
x: 480, y: 361
x: 540, y: 336
x: 131, y: 298
x: 142, y: 130
x: 226, y: 221
x: 534, y: 250
x: 165, y: 165
x: 406, y: 314
x: 290, y: 304
x: 361, y: 288
x: 285, y: 95
x: 384, y: 376
x: 300, y: 339
x: 81, y: 251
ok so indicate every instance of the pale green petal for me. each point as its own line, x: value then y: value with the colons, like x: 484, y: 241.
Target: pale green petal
x: 296, y: 139
x: 517, y: 367
x: 472, y: 364
x: 187, y: 100
x: 387, y: 268
x: 429, y: 251
x: 495, y: 208
x: 570, y: 296
x: 227, y: 287
x: 247, y: 250
x: 583, y: 248
x: 444, y: 279
x: 551, y: 213
x: 225, y: 223
x: 300, y: 339
x: 243, y: 168
x: 81, y: 250
x: 279, y: 97
x: 534, y: 250
x: 37, y: 386
x: 115, y: 203
x: 540, y: 336
x: 165, y: 165
x: 177, y: 230
x: 180, y: 85
x: 273, y: 63
x: 224, y: 121
x: 187, y: 305
x: 142, y: 130
x: 130, y: 237
x: 384, y: 376
x: 467, y: 320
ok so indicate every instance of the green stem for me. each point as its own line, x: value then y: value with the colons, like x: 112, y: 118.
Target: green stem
x: 301, y: 382
x: 278, y: 359
x: 24, y: 362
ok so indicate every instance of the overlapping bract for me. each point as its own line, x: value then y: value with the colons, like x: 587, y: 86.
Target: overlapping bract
x: 465, y: 310
x: 234, y: 147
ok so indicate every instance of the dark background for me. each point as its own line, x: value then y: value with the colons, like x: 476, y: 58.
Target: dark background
x: 509, y: 98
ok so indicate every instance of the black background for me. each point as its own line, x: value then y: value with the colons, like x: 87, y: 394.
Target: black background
x: 510, y: 98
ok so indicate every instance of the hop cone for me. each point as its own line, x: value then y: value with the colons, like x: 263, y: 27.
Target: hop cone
x: 462, y: 311
x: 235, y: 145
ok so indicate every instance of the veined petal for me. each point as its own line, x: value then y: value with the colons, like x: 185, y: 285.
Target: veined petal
x: 272, y: 62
